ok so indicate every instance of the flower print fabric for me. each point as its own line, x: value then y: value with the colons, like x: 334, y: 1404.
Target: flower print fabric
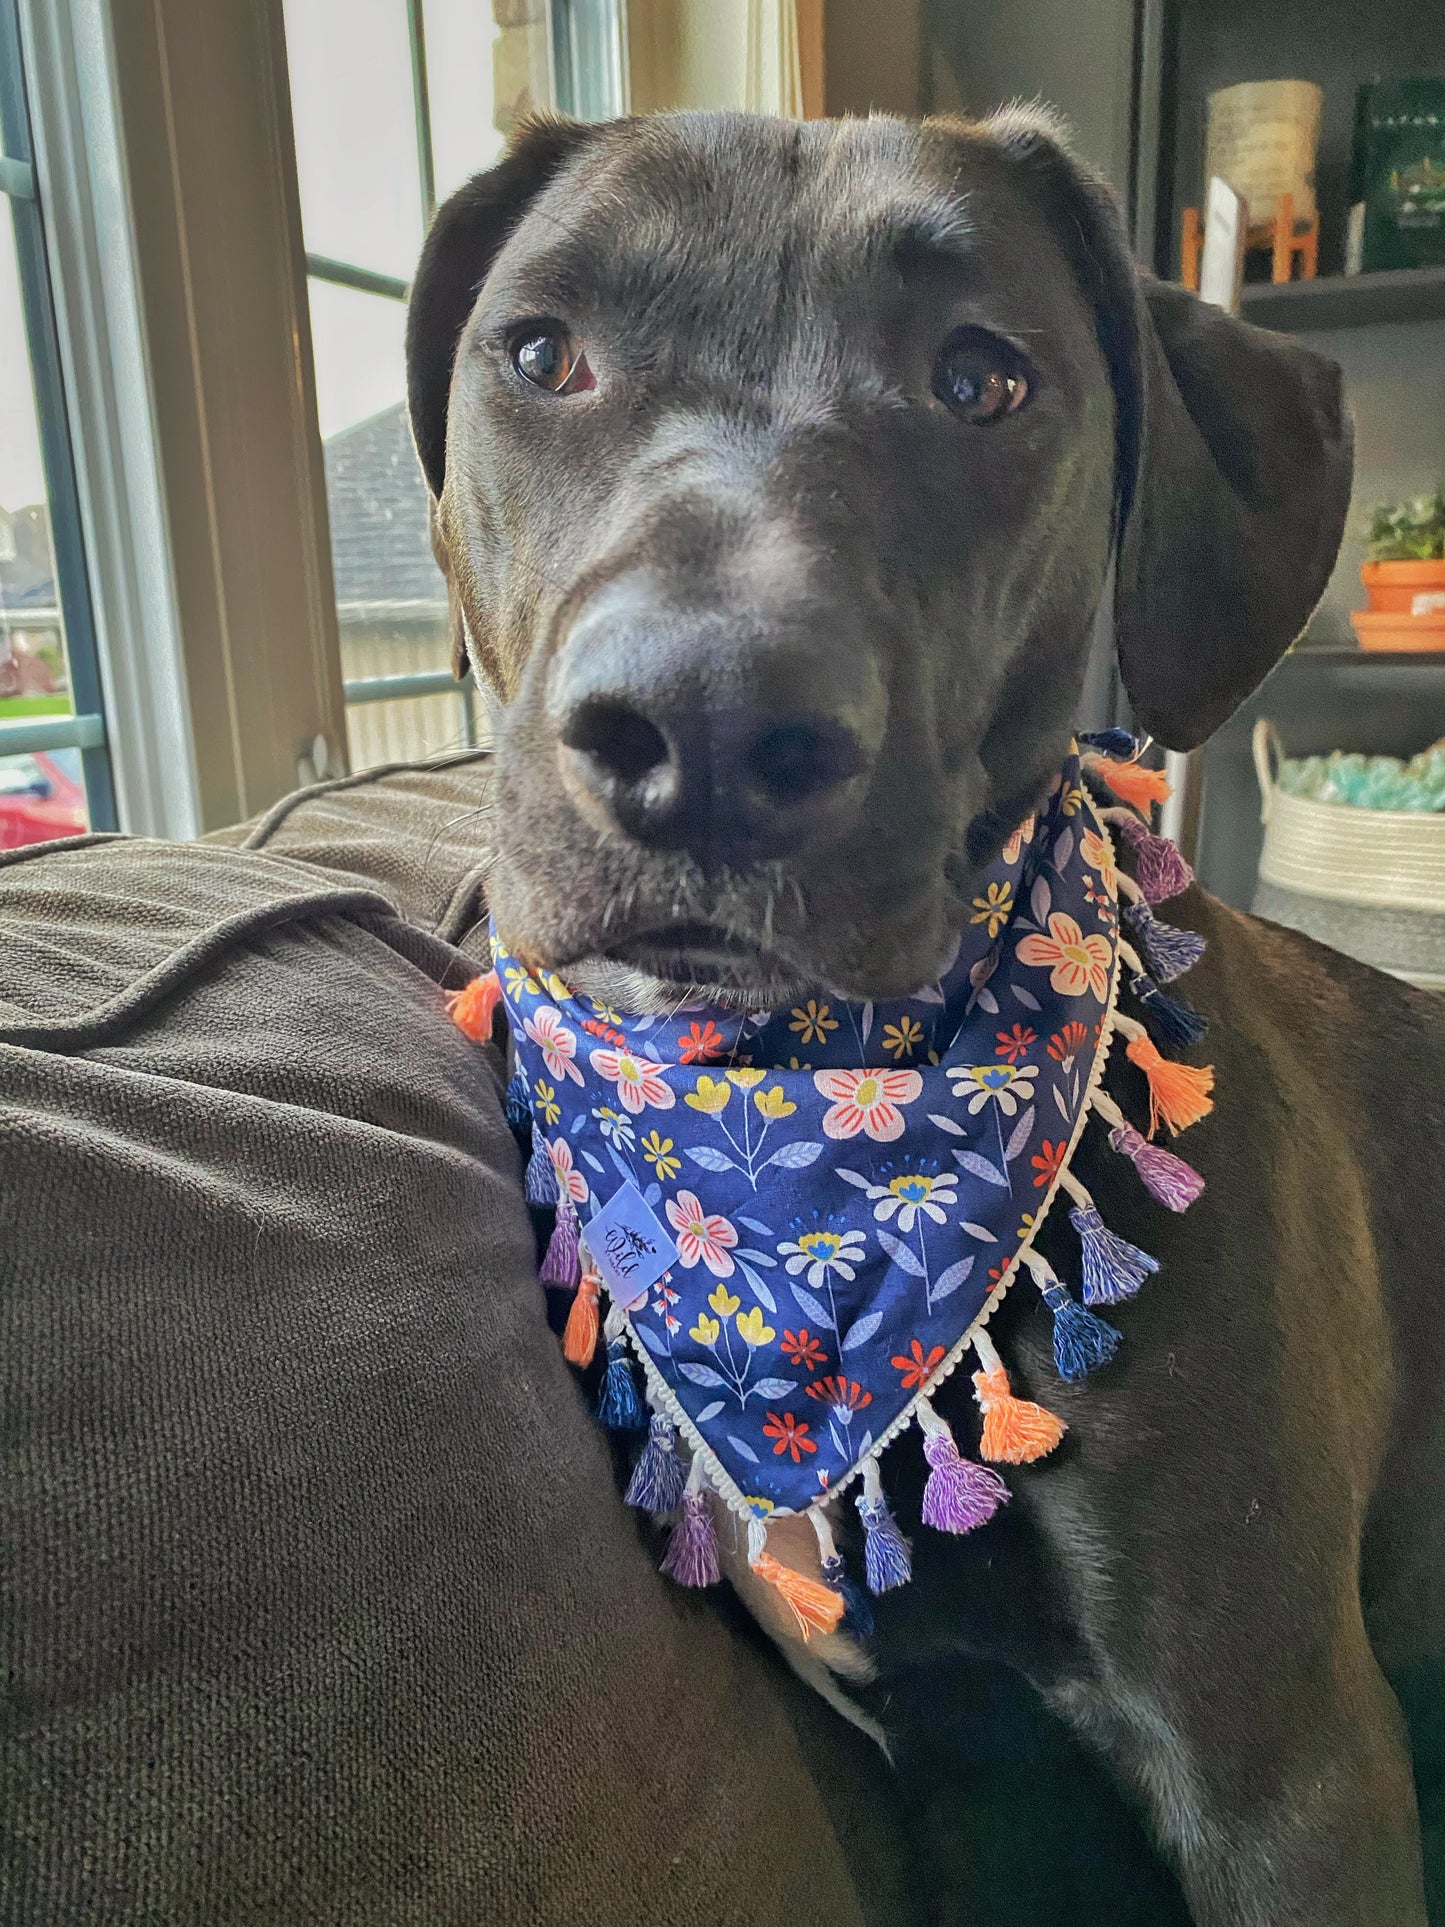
x: 845, y: 1184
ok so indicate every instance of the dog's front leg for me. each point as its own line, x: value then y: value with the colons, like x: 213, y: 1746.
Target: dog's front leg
x: 1278, y: 1781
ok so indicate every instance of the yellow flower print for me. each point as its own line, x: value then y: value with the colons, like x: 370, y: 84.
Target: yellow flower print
x: 746, y: 1078
x: 751, y: 1327
x: 760, y: 1508
x: 794, y: 1065
x: 772, y: 1103
x: 721, y: 1299
x: 658, y: 1152
x: 547, y: 1101
x: 557, y: 990
x: 706, y: 1331
x: 904, y: 1037
x: 711, y: 1094
x: 607, y: 1014
x: 521, y: 982
x: 994, y: 908
x: 813, y: 1021
x: 1071, y: 800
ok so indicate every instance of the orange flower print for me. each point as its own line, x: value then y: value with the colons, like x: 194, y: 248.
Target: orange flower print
x: 1048, y: 1162
x: 1065, y: 1044
x: 701, y: 1043
x: 1078, y: 963
x: 844, y: 1394
x: 1014, y: 1044
x: 917, y: 1365
x: 801, y: 1348
x: 790, y: 1434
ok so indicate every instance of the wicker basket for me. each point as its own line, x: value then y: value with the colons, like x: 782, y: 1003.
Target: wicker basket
x: 1368, y: 882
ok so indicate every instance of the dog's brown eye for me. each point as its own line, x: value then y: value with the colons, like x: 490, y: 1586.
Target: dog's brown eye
x: 980, y: 377
x: 548, y: 358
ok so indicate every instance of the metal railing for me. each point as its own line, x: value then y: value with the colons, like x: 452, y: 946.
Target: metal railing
x: 51, y: 732
x: 424, y: 682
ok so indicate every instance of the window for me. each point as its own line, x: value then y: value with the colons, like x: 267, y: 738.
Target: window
x: 55, y: 776
x: 395, y: 103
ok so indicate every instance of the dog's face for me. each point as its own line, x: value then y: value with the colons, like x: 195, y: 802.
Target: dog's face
x: 777, y: 469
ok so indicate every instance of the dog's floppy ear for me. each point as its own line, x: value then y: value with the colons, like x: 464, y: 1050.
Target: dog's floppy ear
x: 1234, y: 463
x: 464, y: 240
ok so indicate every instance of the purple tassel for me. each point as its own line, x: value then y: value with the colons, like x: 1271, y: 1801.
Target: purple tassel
x: 691, y: 1558
x: 886, y: 1559
x: 659, y: 1475
x: 1112, y: 1268
x: 959, y: 1495
x: 619, y: 1407
x: 857, y: 1613
x: 1169, y: 1019
x: 539, y: 1181
x: 563, y: 1263
x: 1082, y: 1342
x: 1167, y: 951
x: 1120, y: 743
x: 1159, y: 869
x: 1166, y: 1177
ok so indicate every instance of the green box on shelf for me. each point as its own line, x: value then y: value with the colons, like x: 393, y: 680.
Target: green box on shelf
x: 1399, y: 171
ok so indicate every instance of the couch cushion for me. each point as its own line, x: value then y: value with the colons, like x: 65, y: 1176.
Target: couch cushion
x: 317, y: 1598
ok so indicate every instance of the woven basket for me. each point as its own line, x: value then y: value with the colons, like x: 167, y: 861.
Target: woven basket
x: 1368, y: 882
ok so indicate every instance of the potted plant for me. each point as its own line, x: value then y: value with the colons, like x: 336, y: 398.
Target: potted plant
x: 1405, y: 554
x: 1404, y: 575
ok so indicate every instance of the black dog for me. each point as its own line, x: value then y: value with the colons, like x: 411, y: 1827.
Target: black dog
x: 776, y: 473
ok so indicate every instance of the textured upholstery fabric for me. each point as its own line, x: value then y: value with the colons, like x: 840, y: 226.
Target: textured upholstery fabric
x: 316, y: 1598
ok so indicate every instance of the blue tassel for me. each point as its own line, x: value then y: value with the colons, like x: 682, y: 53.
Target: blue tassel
x: 857, y: 1613
x: 620, y: 1406
x: 1167, y: 951
x: 659, y: 1475
x: 1082, y: 1342
x: 539, y: 1182
x: 1112, y: 742
x: 519, y: 1104
x: 886, y: 1559
x: 1112, y: 1268
x: 1169, y: 1019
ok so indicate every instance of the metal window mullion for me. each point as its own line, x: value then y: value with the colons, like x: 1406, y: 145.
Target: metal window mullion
x: 62, y: 494
x: 345, y: 274
x: 421, y: 111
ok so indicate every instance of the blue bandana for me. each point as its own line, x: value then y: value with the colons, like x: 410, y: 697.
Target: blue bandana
x: 804, y: 1218
x: 830, y: 1197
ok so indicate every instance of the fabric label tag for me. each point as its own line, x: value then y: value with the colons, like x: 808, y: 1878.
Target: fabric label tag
x: 628, y: 1246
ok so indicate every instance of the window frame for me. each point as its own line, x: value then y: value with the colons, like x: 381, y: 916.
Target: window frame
x: 586, y: 42
x: 85, y: 729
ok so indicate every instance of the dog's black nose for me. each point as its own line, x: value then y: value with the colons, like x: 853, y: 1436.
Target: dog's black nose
x: 727, y: 738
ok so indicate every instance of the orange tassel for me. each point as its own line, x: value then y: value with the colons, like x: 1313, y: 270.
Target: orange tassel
x: 1015, y: 1431
x: 816, y: 1608
x: 1178, y: 1093
x: 579, y: 1340
x: 473, y: 1008
x: 1132, y: 782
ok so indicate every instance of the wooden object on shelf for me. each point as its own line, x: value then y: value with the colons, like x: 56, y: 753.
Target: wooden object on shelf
x: 1278, y: 235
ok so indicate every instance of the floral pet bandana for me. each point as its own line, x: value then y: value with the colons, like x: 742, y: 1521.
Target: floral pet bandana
x: 804, y: 1217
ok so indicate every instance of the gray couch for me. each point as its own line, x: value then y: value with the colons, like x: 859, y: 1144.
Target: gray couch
x: 316, y: 1598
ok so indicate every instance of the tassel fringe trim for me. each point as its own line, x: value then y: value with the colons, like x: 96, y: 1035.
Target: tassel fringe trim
x: 959, y: 1494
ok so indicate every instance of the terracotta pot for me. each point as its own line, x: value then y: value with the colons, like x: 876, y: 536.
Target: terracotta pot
x: 1394, y: 586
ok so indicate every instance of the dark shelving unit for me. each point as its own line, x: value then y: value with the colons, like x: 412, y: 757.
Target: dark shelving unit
x: 1346, y: 300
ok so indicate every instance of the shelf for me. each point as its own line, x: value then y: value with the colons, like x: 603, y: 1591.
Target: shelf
x: 1346, y: 300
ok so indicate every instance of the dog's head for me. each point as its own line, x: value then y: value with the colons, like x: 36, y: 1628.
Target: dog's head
x: 776, y: 472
